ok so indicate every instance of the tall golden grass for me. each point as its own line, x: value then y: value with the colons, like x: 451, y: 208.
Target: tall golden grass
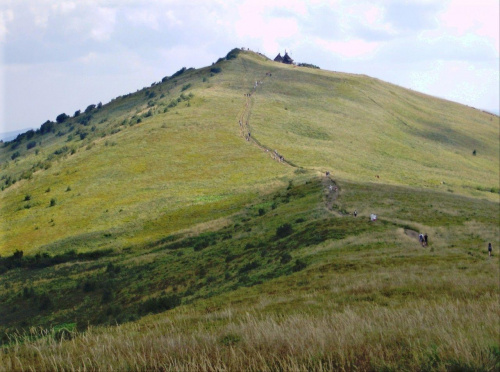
x: 421, y: 335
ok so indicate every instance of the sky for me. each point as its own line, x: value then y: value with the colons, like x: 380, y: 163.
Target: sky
x: 63, y: 55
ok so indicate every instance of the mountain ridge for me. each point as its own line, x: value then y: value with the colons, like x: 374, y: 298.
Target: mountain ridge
x: 317, y: 118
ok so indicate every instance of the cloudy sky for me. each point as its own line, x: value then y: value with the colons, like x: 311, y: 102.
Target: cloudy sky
x: 62, y: 55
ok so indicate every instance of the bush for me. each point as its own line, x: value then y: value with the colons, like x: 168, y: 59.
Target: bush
x: 17, y: 255
x: 159, y: 304
x: 299, y: 265
x: 229, y: 339
x: 89, y: 108
x: 62, y: 118
x: 85, y: 120
x: 89, y: 285
x: 29, y: 134
x: 286, y: 258
x: 47, y: 127
x: 249, y: 266
x: 215, y: 70
x: 30, y: 145
x: 107, y: 295
x: 52, y: 202
x: 308, y: 65
x: 44, y: 302
x: 284, y: 230
x: 185, y: 87
x: 15, y: 155
x: 233, y: 54
x: 62, y: 150
x: 77, y: 113
x: 28, y: 292
x: 178, y: 73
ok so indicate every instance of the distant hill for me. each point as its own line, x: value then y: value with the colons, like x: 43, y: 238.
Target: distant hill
x: 212, y: 214
x: 9, y: 136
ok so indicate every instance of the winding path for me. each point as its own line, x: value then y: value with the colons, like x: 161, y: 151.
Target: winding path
x: 244, y: 119
x: 331, y: 188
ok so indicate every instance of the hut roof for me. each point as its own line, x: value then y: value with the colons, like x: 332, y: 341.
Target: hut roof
x: 278, y: 58
x: 287, y: 59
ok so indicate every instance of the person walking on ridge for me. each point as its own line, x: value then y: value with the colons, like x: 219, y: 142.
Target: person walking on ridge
x: 490, y: 249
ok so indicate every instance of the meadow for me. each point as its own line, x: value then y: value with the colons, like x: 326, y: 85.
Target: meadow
x: 175, y: 244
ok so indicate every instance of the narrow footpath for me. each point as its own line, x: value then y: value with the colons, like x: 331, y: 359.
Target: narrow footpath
x: 331, y: 192
x: 244, y: 119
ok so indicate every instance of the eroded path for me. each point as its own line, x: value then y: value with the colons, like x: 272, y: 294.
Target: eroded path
x: 244, y: 122
x: 330, y: 192
x: 331, y: 189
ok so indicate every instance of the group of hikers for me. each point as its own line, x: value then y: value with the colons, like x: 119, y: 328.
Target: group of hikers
x: 333, y: 188
x: 423, y: 239
x: 276, y: 156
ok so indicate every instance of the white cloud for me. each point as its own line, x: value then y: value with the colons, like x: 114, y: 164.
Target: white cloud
x: 481, y: 17
x: 143, y: 17
x: 367, y: 14
x: 172, y: 19
x: 355, y: 48
x: 459, y: 81
x: 64, y: 7
x: 256, y: 22
x: 103, y: 24
x: 6, y: 16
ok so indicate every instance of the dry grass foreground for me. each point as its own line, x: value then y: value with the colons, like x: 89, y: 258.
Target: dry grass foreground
x: 422, y: 335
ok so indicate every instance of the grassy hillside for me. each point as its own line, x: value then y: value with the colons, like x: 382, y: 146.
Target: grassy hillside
x: 167, y: 211
x: 360, y: 127
x: 174, y: 150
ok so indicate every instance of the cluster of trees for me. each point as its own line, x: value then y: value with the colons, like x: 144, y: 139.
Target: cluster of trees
x: 50, y: 126
x: 41, y: 260
x: 178, y: 73
x: 310, y: 65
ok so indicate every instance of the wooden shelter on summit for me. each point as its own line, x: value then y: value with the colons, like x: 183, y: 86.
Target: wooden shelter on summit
x: 285, y: 59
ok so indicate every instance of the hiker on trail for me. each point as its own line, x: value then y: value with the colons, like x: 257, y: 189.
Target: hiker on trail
x: 490, y: 249
x: 421, y: 239
x: 355, y: 213
x: 327, y: 173
x: 425, y: 240
x: 331, y: 188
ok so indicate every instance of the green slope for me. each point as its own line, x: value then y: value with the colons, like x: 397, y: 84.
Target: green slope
x: 163, y: 204
x: 125, y: 174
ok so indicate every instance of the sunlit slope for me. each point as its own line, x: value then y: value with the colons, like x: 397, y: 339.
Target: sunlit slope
x: 172, y: 155
x: 359, y: 128
x: 171, y: 171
